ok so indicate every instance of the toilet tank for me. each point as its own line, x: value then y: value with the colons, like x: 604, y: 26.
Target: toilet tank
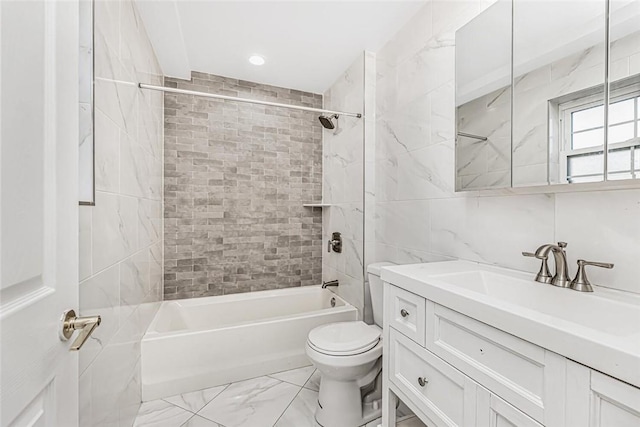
x: 375, y: 288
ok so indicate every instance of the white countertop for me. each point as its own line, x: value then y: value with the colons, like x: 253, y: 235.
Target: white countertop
x: 599, y: 329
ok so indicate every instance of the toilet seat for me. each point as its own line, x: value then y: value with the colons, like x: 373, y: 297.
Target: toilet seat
x: 344, y: 338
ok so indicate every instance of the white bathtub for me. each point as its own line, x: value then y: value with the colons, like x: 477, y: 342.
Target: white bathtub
x: 203, y: 342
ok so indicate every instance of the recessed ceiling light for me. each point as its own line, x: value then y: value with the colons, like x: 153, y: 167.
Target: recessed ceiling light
x: 256, y: 60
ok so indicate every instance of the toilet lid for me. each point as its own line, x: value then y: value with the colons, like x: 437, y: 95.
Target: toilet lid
x: 344, y: 338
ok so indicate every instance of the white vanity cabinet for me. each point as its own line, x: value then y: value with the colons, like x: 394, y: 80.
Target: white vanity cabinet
x: 453, y: 370
x: 445, y: 395
x: 529, y: 377
x: 598, y: 400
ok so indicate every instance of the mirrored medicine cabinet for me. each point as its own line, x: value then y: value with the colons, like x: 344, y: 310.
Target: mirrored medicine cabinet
x: 537, y: 84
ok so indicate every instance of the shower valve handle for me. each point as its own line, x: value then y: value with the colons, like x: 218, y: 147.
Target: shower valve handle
x: 335, y: 243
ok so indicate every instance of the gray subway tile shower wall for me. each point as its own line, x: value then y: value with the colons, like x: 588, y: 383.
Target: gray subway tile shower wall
x: 236, y: 177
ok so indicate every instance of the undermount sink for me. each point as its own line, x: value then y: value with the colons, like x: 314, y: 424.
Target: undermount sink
x: 589, y: 310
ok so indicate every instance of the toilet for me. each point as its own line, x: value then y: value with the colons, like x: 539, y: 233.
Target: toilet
x: 348, y: 356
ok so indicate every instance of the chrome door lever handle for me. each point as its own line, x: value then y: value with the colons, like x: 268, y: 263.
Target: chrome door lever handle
x: 86, y: 325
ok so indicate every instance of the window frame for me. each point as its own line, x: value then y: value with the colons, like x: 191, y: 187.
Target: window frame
x: 565, y: 111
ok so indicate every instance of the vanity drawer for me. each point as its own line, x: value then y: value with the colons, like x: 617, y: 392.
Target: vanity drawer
x: 529, y: 377
x: 406, y: 313
x: 443, y: 394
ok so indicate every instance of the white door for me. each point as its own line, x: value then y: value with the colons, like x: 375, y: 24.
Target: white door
x: 38, y: 210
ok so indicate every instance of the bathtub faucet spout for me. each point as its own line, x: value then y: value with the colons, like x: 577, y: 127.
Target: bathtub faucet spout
x: 329, y: 283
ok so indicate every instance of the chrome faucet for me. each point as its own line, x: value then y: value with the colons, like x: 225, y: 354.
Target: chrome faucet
x: 329, y: 283
x: 561, y: 278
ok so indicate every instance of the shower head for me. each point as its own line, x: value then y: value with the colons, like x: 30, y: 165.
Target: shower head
x: 327, y: 121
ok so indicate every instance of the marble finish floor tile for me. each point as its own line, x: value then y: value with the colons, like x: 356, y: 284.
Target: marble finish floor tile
x: 301, y: 412
x: 314, y: 382
x: 411, y: 422
x: 198, y: 421
x: 283, y: 399
x: 195, y: 400
x: 295, y: 376
x: 257, y: 402
x: 159, y: 413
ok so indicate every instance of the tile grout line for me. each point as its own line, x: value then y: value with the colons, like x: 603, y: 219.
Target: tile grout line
x: 289, y: 405
x: 190, y: 411
x: 308, y: 379
x: 300, y: 388
x: 188, y: 419
x: 196, y: 415
x: 267, y: 376
x: 173, y: 404
x: 289, y: 382
x: 215, y: 397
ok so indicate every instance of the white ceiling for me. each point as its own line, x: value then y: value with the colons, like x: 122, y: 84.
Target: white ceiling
x: 307, y: 44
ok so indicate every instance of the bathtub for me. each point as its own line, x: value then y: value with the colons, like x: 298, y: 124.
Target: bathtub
x: 198, y: 343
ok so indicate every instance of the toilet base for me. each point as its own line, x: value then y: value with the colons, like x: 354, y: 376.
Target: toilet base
x: 342, y: 404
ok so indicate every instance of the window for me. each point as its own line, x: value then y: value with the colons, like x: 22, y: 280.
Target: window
x: 582, y: 130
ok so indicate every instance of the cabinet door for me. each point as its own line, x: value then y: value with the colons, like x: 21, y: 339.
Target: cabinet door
x: 495, y: 412
x: 597, y: 400
x: 613, y: 403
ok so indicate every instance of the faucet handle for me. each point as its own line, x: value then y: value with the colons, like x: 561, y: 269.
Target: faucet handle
x: 581, y: 282
x: 563, y: 244
x: 544, y: 275
x: 582, y: 263
x: 532, y: 255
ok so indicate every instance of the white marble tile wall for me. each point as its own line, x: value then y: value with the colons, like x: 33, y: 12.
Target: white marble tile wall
x: 418, y: 215
x: 533, y: 90
x: 120, y: 237
x: 343, y: 185
x: 485, y: 164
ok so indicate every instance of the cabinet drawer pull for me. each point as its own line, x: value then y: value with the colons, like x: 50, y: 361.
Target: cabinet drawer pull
x: 422, y: 381
x: 404, y: 313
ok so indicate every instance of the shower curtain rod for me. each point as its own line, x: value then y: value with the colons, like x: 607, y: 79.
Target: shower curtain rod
x: 250, y: 101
